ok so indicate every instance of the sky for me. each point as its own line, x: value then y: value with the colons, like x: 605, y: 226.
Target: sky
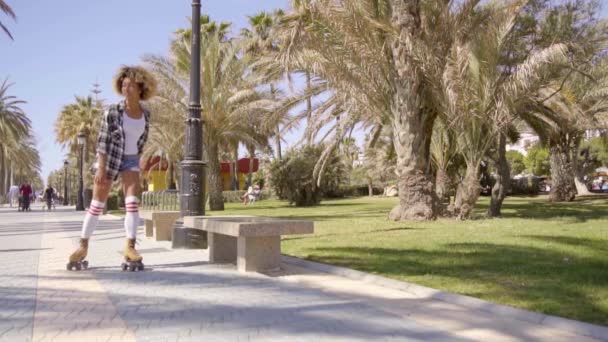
x: 63, y: 47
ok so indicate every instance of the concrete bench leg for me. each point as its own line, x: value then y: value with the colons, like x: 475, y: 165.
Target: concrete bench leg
x: 222, y: 248
x: 163, y: 227
x: 149, y: 228
x: 257, y: 254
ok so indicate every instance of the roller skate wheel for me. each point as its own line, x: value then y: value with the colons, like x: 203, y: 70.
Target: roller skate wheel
x: 124, y: 266
x: 141, y: 267
x: 69, y: 266
x: 78, y: 267
x: 85, y: 264
x: 132, y: 268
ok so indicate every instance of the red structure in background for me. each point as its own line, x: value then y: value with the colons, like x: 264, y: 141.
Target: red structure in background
x: 155, y: 172
x: 242, y: 165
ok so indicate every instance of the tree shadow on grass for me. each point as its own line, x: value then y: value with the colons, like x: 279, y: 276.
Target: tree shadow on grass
x: 376, y: 231
x: 578, y: 211
x: 593, y: 244
x: 533, y: 278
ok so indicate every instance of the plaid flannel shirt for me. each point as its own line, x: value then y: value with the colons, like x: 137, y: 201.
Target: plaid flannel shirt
x: 111, y: 139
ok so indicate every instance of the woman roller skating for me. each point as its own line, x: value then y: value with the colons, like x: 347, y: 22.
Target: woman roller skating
x: 122, y: 136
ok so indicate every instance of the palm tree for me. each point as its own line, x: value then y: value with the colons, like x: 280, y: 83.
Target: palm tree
x: 257, y: 41
x: 226, y: 97
x: 83, y: 115
x: 379, y: 159
x: 168, y: 129
x: 25, y: 159
x: 443, y: 154
x: 14, y: 127
x: 377, y: 57
x: 4, y: 7
x: 575, y: 99
x: 565, y: 110
x: 480, y: 99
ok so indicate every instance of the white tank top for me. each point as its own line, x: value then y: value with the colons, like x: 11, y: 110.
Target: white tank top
x: 133, y: 129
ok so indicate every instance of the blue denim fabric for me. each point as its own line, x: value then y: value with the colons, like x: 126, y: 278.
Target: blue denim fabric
x: 130, y: 163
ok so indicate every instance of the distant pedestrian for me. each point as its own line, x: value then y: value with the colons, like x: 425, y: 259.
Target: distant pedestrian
x: 25, y: 192
x: 49, y: 197
x: 13, y: 195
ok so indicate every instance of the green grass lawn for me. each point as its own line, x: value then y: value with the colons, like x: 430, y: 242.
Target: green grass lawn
x: 550, y: 258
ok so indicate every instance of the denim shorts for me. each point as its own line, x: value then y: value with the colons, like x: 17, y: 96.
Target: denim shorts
x: 130, y: 162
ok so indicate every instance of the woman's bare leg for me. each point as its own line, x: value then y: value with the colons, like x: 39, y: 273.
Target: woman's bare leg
x: 131, y: 189
x: 100, y: 194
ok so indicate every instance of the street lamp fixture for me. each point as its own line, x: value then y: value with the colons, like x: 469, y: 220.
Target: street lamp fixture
x: 192, y: 182
x: 65, y: 182
x: 80, y: 201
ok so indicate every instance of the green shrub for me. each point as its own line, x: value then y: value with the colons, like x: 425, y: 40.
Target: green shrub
x: 292, y: 177
x: 537, y: 161
x: 259, y: 178
x: 516, y: 162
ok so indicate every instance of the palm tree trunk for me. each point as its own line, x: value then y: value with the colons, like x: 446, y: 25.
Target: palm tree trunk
x: 277, y: 139
x: 5, y: 167
x: 417, y: 197
x: 216, y: 199
x: 3, y: 171
x: 251, y: 150
x: 175, y: 175
x: 230, y: 175
x: 412, y: 127
x: 503, y: 179
x: 562, y: 171
x: 442, y: 184
x: 468, y: 192
x: 309, y: 111
x: 12, y: 170
x: 277, y: 136
x: 169, y: 176
x: 235, y: 180
x: 579, y: 169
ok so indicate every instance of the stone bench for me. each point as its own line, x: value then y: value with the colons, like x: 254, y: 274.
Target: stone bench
x: 253, y: 243
x: 159, y: 224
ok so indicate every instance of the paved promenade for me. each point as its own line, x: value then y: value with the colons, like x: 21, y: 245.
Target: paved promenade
x: 180, y: 297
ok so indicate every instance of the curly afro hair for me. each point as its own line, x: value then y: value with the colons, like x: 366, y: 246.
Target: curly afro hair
x: 143, y: 77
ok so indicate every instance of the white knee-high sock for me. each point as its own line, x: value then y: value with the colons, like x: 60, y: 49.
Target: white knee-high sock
x: 131, y: 217
x: 91, y: 218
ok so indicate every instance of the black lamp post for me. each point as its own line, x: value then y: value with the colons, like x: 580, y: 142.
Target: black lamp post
x: 192, y: 182
x: 65, y: 182
x: 80, y: 200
